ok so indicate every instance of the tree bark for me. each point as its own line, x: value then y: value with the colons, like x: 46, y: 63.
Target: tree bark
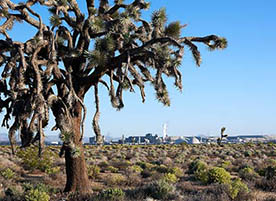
x: 76, y: 171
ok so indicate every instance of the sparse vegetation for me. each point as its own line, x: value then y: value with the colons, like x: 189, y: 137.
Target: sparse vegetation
x: 160, y: 172
x: 112, y: 194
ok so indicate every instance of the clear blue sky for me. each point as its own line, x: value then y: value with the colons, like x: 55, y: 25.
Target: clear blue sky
x: 235, y: 88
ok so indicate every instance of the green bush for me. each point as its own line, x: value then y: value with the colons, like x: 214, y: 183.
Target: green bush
x: 36, y: 195
x: 32, y: 161
x: 93, y: 171
x: 196, y: 166
x: 226, y: 164
x: 112, y: 169
x: 145, y: 165
x: 115, y: 179
x: 170, y: 178
x: 42, y: 187
x: 114, y: 194
x: 136, y: 168
x: 160, y: 189
x: 7, y: 173
x: 38, y: 192
x: 218, y: 175
x: 248, y: 174
x: 200, y: 170
x: 236, y: 187
x: 176, y: 171
x: 53, y: 170
x: 202, y: 175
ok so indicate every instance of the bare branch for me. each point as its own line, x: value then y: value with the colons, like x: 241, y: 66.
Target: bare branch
x: 96, y: 117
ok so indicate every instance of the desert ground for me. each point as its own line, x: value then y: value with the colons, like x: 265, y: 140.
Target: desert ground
x: 231, y: 172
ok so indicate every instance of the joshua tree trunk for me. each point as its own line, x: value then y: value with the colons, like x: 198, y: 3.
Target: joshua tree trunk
x: 76, y: 171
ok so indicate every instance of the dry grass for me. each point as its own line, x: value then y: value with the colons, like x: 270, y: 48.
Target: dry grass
x: 132, y: 168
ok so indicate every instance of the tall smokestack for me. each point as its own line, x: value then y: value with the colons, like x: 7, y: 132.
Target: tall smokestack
x: 165, y: 127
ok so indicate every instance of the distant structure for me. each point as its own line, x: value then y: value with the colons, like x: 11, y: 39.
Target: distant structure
x: 248, y: 138
x: 165, y: 128
x: 183, y: 139
x: 123, y: 139
x: 195, y: 140
x: 93, y: 140
x: 149, y: 138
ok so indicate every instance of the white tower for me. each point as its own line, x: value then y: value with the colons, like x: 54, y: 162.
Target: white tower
x: 165, y: 127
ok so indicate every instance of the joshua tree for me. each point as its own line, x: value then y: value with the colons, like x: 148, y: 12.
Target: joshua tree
x: 79, y: 50
x: 222, y: 136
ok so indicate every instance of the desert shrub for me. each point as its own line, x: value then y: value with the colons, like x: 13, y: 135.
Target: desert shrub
x: 197, y: 165
x: 53, y: 170
x: 121, y: 165
x: 136, y: 168
x: 27, y: 186
x: 271, y: 162
x: 103, y: 164
x: 7, y: 173
x: 147, y: 173
x: 115, y: 179
x: 93, y: 171
x: 219, y: 192
x: 170, y: 178
x: 42, y: 187
x: 162, y: 168
x: 268, y: 172
x: 36, y: 195
x: 236, y: 187
x: 112, y: 169
x: 270, y: 198
x: 202, y: 175
x: 133, y: 180
x: 31, y: 160
x: 145, y: 165
x: 248, y: 153
x: 14, y: 192
x: 248, y: 174
x: 218, y: 175
x: 200, y: 170
x: 159, y: 190
x: 176, y: 171
x: 215, y: 193
x: 114, y: 194
x: 225, y: 164
x: 266, y: 184
x: 38, y: 192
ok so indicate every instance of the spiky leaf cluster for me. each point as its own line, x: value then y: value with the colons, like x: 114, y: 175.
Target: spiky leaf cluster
x: 105, y: 45
x: 97, y: 24
x: 110, y: 44
x: 159, y: 18
x: 55, y: 20
x: 173, y: 30
x: 134, y: 13
x: 221, y: 44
